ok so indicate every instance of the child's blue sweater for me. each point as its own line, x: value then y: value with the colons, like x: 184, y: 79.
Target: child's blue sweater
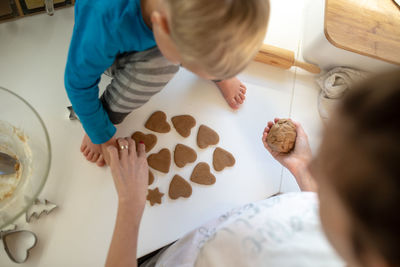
x: 103, y: 29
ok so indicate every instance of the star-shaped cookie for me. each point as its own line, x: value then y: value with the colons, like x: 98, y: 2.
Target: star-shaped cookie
x: 154, y: 196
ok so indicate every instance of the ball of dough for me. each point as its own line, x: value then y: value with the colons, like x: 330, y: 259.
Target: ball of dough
x: 282, y: 136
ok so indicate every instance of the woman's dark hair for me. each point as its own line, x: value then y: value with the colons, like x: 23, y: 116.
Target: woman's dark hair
x: 361, y: 156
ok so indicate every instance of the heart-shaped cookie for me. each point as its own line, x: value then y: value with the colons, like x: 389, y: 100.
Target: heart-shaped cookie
x: 154, y: 196
x: 151, y: 177
x: 158, y: 122
x: 179, y: 188
x: 184, y: 155
x: 149, y: 140
x: 222, y: 159
x: 183, y: 124
x: 202, y: 175
x: 206, y: 137
x: 160, y: 161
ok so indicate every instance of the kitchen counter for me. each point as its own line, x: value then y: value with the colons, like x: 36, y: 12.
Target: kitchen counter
x: 33, y: 54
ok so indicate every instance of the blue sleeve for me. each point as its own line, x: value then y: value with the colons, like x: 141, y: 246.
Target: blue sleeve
x: 92, y: 51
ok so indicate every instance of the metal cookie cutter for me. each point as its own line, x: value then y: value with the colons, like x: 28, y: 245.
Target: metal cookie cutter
x: 39, y: 208
x: 10, y: 233
x: 49, y: 4
x: 72, y: 114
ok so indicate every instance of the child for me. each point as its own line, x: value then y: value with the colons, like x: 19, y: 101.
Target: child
x: 144, y: 41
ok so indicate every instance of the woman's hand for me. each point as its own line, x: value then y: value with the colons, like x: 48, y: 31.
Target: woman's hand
x: 297, y: 160
x: 300, y: 155
x: 130, y: 172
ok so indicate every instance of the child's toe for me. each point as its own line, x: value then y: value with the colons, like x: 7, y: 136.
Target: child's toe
x: 100, y: 161
x: 233, y: 104
x: 238, y: 99
x: 90, y: 156
x: 95, y: 157
x: 86, y: 152
x: 83, y: 147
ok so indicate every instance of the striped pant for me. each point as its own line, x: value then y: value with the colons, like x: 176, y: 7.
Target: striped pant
x: 137, y: 76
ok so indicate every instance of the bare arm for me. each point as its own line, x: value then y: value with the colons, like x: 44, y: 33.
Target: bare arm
x: 304, y: 178
x: 130, y: 172
x: 123, y: 246
x: 297, y: 160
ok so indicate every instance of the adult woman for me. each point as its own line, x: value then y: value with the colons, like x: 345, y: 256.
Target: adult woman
x: 358, y: 182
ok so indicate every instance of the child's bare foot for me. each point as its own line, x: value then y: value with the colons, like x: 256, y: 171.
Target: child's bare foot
x: 92, y: 152
x: 234, y: 92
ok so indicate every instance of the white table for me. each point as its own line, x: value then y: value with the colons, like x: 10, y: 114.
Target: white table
x: 32, y: 59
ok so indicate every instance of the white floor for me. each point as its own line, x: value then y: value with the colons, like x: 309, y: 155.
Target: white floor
x: 32, y: 59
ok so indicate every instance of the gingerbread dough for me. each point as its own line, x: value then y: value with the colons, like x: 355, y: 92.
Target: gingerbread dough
x: 154, y: 196
x: 222, y: 159
x: 282, y: 136
x: 202, y: 175
x: 184, y: 155
x: 179, y: 188
x: 206, y: 137
x: 158, y: 123
x: 149, y: 140
x: 160, y: 161
x: 183, y: 124
x: 151, y: 177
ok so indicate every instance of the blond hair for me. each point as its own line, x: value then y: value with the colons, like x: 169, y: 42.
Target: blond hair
x: 219, y: 36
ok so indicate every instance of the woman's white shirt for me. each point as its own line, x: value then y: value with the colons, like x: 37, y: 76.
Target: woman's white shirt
x: 284, y: 230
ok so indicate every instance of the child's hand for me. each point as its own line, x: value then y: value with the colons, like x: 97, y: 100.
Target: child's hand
x: 130, y: 172
x: 299, y: 157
